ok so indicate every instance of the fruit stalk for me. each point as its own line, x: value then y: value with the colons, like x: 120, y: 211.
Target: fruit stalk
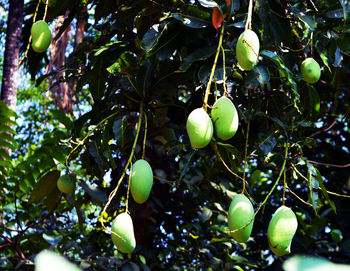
x: 248, y: 24
x: 128, y: 193
x: 223, y: 70
x: 144, y: 138
x: 245, y: 155
x: 114, y: 192
x: 30, y: 37
x: 207, y: 91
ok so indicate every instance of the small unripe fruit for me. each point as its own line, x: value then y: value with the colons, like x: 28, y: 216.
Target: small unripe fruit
x: 241, y: 211
x: 281, y: 230
x: 247, y: 50
x: 225, y: 117
x: 199, y: 128
x: 122, y: 225
x: 48, y: 260
x: 65, y: 184
x: 141, y: 181
x: 41, y: 36
x: 337, y: 235
x: 310, y: 70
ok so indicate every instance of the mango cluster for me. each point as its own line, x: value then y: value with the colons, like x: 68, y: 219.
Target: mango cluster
x: 200, y: 126
x: 122, y: 227
x: 280, y: 232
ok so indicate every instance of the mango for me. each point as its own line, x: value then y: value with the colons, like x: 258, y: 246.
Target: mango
x: 66, y: 184
x: 141, y: 181
x: 225, y: 117
x: 123, y: 226
x: 41, y: 36
x: 199, y: 128
x: 247, y: 50
x: 310, y: 70
x: 241, y: 211
x: 281, y: 230
x: 49, y: 260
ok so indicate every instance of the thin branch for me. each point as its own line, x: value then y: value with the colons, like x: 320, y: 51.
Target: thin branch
x: 324, y: 130
x: 328, y: 165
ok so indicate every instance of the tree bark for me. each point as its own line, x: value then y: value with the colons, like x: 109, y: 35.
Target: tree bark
x: 11, y: 56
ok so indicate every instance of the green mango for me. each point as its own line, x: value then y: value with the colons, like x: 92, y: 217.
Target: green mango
x: 65, y: 184
x: 122, y: 225
x: 199, y: 128
x: 241, y: 211
x: 41, y: 36
x: 281, y: 230
x: 141, y: 181
x: 225, y: 117
x: 310, y: 70
x: 49, y: 260
x: 311, y: 263
x: 247, y: 50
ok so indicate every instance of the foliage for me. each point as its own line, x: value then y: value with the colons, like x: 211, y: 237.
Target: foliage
x: 157, y: 57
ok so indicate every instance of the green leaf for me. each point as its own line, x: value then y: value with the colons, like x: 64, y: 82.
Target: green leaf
x: 191, y: 21
x: 94, y: 192
x: 284, y: 72
x: 346, y: 10
x: 198, y: 55
x: 161, y: 36
x: 45, y: 185
x: 53, y: 198
x: 52, y: 240
x: 62, y: 118
x: 119, y: 127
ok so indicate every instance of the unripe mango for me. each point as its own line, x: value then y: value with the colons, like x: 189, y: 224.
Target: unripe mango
x: 122, y: 225
x: 199, y: 128
x: 241, y: 211
x: 41, y: 36
x: 49, y: 260
x: 141, y: 181
x: 281, y: 230
x: 247, y: 50
x: 310, y: 70
x: 65, y: 184
x: 225, y: 117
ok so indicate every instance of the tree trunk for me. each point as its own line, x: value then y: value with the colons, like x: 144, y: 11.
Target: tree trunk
x: 13, y: 38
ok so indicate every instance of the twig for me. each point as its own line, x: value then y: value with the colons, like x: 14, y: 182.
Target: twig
x: 324, y: 130
x: 226, y: 166
x: 299, y: 198
x: 163, y: 180
x: 328, y: 165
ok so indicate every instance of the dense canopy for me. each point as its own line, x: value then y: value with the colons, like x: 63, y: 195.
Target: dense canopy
x: 117, y: 85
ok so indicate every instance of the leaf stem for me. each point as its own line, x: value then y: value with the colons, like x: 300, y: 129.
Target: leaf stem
x: 144, y: 137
